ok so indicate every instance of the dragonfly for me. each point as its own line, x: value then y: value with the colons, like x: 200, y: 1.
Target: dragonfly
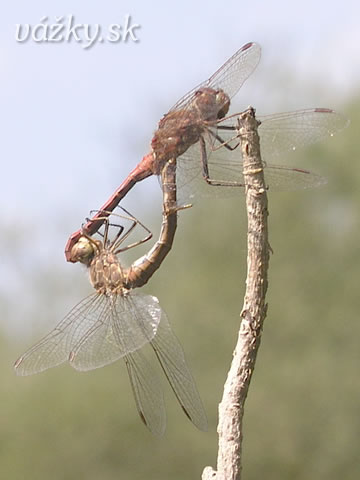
x: 116, y: 322
x: 198, y: 133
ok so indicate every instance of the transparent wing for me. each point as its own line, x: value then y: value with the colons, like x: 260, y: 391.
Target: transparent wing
x: 279, y: 133
x: 230, y: 76
x: 53, y: 349
x: 147, y: 392
x: 191, y: 183
x: 283, y: 132
x: 126, y: 324
x: 172, y: 360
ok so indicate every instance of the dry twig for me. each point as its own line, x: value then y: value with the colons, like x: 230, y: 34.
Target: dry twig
x: 231, y: 408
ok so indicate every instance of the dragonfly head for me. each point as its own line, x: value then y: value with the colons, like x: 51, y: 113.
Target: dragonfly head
x: 84, y: 250
x: 212, y: 104
x: 223, y: 103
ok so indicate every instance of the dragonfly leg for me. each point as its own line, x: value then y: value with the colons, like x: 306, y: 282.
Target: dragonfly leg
x: 206, y: 175
x: 171, y: 210
x: 131, y: 228
x: 222, y: 142
x: 120, y: 237
x: 105, y: 219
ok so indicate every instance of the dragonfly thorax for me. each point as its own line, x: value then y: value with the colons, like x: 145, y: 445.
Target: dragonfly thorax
x: 106, y: 274
x: 180, y: 129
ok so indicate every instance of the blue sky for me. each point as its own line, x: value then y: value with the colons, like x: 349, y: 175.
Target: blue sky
x: 74, y: 121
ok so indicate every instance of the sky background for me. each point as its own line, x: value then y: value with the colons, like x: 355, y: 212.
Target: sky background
x: 74, y: 121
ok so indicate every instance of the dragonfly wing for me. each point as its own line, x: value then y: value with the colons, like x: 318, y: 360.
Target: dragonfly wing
x: 223, y: 165
x: 93, y: 344
x: 227, y: 166
x: 230, y: 76
x: 284, y: 132
x: 147, y: 392
x: 53, y: 349
x: 280, y: 178
x: 172, y: 360
x: 142, y: 315
x: 124, y: 324
x: 279, y: 133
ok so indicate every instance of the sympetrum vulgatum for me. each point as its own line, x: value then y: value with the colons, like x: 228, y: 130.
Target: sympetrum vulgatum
x: 194, y: 129
x: 115, y: 322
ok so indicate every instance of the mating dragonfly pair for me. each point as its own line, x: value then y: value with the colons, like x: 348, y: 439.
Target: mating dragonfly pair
x: 194, y: 151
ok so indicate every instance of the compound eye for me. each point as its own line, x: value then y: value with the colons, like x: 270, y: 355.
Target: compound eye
x: 82, y: 251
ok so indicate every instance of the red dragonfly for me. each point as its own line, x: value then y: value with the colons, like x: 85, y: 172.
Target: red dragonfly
x: 197, y: 126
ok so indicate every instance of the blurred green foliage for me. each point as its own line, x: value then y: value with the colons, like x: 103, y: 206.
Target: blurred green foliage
x: 303, y: 411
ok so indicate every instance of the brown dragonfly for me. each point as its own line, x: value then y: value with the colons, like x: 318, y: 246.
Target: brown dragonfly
x: 198, y: 133
x: 116, y: 322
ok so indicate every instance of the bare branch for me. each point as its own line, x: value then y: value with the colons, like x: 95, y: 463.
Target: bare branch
x: 231, y: 408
